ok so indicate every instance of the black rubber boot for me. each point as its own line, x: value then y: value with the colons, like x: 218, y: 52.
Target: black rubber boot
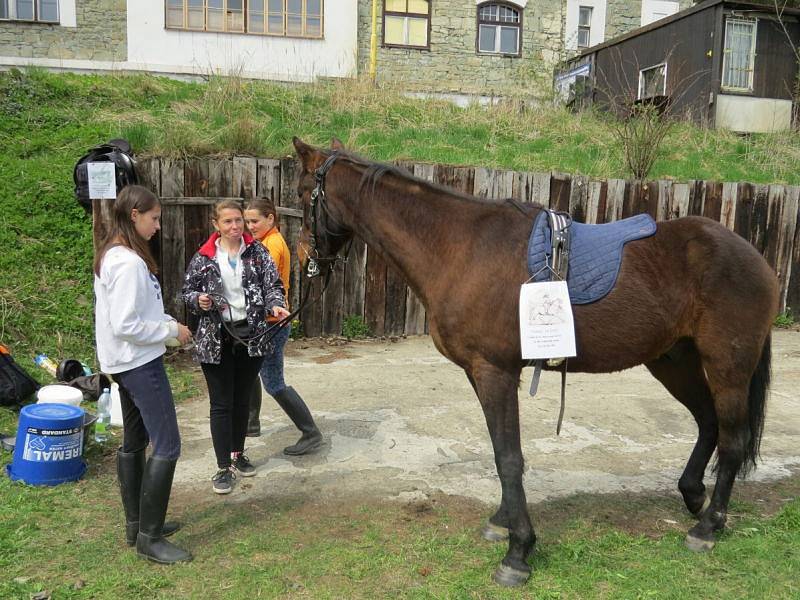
x: 254, y: 421
x: 156, y: 486
x: 130, y: 468
x: 293, y: 405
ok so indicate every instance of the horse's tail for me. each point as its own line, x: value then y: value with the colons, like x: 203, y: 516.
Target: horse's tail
x: 757, y: 405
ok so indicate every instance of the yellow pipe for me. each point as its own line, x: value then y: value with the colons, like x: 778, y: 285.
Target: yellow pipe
x: 373, y: 42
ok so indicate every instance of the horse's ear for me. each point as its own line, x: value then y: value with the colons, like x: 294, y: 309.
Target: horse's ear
x: 309, y: 156
x: 336, y: 144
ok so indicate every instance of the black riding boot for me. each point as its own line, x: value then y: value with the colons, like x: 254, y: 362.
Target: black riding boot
x: 156, y: 486
x: 130, y: 468
x: 293, y: 405
x: 253, y: 421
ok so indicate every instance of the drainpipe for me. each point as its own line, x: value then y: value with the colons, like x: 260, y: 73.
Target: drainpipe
x: 373, y: 42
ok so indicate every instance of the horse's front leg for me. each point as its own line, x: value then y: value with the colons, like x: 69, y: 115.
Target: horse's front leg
x: 497, y: 392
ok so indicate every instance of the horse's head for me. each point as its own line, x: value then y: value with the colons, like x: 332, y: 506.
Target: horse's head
x: 323, y: 234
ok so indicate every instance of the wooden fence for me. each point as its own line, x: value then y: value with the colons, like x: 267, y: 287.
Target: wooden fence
x: 765, y: 215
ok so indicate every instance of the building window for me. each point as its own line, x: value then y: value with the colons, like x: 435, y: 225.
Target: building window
x: 653, y: 82
x: 43, y: 11
x: 738, y: 57
x: 499, y: 29
x: 291, y: 18
x: 584, y: 26
x: 406, y: 23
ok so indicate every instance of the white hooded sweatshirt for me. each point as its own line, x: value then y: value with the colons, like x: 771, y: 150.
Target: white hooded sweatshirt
x: 130, y: 323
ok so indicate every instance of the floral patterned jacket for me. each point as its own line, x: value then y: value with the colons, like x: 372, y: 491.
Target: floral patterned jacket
x: 263, y: 290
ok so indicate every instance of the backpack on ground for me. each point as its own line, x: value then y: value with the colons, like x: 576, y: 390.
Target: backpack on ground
x: 117, y: 151
x: 16, y: 385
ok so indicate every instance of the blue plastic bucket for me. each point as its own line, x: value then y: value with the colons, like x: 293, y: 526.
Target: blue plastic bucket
x: 49, y: 445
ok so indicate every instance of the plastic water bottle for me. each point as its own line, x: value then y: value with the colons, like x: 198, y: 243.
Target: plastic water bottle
x: 103, y: 416
x: 43, y: 361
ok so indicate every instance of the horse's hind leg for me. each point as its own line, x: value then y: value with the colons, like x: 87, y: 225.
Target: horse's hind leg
x: 681, y: 372
x: 739, y: 404
x: 497, y: 392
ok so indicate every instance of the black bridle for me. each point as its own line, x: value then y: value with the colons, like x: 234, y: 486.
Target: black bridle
x: 321, y: 222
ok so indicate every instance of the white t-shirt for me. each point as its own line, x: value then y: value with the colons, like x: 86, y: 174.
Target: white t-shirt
x: 230, y: 267
x: 130, y: 323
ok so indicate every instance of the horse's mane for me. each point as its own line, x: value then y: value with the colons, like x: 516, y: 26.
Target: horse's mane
x: 374, y: 172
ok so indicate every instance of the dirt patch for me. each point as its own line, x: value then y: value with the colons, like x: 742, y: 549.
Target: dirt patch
x: 402, y: 424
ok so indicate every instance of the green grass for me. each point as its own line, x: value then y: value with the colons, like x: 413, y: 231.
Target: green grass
x: 68, y: 540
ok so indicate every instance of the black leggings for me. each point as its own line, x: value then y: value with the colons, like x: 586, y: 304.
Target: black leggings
x: 230, y: 384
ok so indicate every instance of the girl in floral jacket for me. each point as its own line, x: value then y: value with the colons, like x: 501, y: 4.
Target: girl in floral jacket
x: 231, y: 279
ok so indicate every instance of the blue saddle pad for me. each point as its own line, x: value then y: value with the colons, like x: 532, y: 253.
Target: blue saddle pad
x: 595, y: 253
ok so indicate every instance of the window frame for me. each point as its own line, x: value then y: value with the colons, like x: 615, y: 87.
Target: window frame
x: 406, y: 15
x: 586, y: 28
x: 9, y: 4
x: 498, y: 25
x: 752, y: 55
x: 245, y: 15
x: 639, y: 94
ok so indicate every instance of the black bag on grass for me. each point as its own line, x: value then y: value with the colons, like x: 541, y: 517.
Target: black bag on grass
x: 16, y: 385
x: 117, y: 151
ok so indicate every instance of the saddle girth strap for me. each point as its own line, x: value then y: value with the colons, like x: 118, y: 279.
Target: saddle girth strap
x: 558, y: 263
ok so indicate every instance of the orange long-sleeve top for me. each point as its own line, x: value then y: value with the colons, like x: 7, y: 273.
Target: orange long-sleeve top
x: 279, y: 251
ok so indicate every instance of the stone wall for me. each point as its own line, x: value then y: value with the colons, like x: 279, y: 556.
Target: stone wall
x: 452, y: 64
x: 100, y: 35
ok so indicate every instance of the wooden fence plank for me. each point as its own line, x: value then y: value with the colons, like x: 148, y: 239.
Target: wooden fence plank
x: 787, y: 228
x: 244, y: 177
x: 493, y: 183
x: 560, y: 188
x: 220, y: 178
x: 792, y: 300
x: 712, y: 204
x: 458, y: 178
x: 375, y: 293
x: 696, y: 197
x: 680, y: 200
x: 744, y: 210
x: 355, y: 279
x: 664, y: 208
x: 172, y: 177
x: 728, y: 209
x: 759, y: 218
x: 268, y: 180
x: 578, y: 198
x: 615, y: 200
x: 602, y: 202
x: 149, y: 170
x: 414, y: 320
x: 173, y: 259
x: 196, y: 179
x: 332, y: 303
x: 593, y: 191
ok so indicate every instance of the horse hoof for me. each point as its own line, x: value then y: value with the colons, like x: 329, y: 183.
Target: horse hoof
x: 494, y: 533
x: 509, y: 576
x: 696, y: 544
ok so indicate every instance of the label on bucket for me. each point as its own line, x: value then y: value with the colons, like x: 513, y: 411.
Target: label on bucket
x: 47, y: 445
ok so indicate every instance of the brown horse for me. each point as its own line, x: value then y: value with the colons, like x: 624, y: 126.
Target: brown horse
x: 694, y: 303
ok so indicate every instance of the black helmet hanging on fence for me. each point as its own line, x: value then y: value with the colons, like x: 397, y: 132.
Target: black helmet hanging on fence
x: 117, y: 151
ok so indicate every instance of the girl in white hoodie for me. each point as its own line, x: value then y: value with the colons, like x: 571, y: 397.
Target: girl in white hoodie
x: 131, y: 331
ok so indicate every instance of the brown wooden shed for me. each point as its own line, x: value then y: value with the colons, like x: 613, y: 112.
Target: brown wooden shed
x: 723, y: 63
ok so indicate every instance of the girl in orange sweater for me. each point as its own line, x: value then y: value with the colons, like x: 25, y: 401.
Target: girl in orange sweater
x: 261, y: 219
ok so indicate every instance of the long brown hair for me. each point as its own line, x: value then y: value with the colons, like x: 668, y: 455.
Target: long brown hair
x: 122, y: 231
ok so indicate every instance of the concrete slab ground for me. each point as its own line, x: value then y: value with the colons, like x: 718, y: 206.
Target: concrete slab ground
x: 400, y: 421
